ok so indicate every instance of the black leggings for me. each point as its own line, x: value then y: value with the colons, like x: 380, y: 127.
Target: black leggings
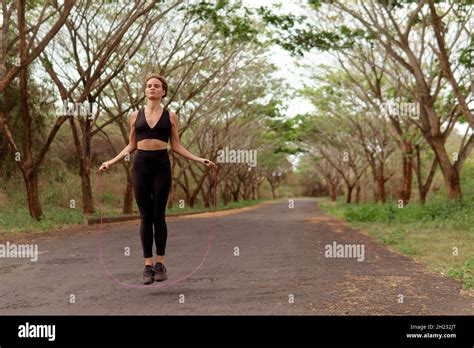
x: 151, y: 175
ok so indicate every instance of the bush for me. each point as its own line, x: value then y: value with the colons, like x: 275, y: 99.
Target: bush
x: 457, y: 213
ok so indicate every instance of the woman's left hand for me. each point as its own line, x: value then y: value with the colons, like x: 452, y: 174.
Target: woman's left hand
x: 208, y: 163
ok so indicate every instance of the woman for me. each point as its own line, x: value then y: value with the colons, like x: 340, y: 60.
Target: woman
x: 150, y: 130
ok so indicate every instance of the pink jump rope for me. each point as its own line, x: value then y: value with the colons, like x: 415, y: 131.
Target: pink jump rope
x: 167, y: 282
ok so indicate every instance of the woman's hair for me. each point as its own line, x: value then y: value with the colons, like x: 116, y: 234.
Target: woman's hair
x: 159, y: 77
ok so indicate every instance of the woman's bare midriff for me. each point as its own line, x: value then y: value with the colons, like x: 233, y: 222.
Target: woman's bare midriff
x: 151, y: 144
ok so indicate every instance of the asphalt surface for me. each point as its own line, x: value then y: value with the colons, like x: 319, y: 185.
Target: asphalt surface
x: 281, y: 269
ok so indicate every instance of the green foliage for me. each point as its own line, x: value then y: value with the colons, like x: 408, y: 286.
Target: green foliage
x: 229, y: 19
x: 466, y: 55
x: 297, y: 36
x: 457, y: 212
x: 300, y: 41
x: 464, y: 272
x: 284, y: 22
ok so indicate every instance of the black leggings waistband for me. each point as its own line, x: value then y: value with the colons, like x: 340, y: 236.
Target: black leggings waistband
x: 153, y: 154
x: 151, y: 151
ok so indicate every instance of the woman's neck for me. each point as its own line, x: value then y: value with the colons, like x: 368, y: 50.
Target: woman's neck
x: 153, y: 105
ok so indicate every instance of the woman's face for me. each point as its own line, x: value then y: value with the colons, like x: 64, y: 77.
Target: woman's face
x: 154, y: 89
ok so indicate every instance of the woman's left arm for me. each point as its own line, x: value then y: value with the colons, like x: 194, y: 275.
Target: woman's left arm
x: 180, y: 149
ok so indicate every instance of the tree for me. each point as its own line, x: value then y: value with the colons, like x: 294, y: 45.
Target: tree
x: 28, y: 50
x: 399, y: 38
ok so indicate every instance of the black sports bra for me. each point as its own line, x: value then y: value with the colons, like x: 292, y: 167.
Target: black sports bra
x: 161, y: 131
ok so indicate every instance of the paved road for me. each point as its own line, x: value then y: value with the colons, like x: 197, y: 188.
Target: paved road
x: 281, y: 269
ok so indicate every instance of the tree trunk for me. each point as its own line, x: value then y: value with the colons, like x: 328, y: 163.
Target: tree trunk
x: 173, y: 197
x: 206, y: 196
x: 407, y: 164
x: 349, y: 193
x: 191, y: 201
x: 235, y: 196
x: 88, y: 204
x: 378, y: 175
x: 235, y: 193
x: 381, y: 183
x: 186, y: 188
x: 224, y: 192
x: 198, y: 183
x: 29, y: 170
x: 423, y: 194
x: 83, y: 151
x: 34, y: 206
x: 333, y: 191
x: 376, y: 189
x: 358, y: 189
x: 423, y: 188
x: 453, y: 183
x: 381, y: 188
x: 128, y: 198
x: 450, y: 174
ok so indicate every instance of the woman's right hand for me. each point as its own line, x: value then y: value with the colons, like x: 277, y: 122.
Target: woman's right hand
x: 104, y: 166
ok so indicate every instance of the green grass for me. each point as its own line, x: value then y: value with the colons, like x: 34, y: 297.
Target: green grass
x: 15, y: 220
x: 427, y: 233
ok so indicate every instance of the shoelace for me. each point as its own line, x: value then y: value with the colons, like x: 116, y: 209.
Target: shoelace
x: 148, y: 270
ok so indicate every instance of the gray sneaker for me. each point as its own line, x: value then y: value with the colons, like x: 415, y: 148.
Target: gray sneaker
x: 148, y: 274
x: 160, y: 272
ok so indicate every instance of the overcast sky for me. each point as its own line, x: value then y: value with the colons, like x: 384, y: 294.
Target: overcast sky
x: 288, y: 68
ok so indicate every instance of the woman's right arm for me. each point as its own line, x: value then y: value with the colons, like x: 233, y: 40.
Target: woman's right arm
x: 132, y: 145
